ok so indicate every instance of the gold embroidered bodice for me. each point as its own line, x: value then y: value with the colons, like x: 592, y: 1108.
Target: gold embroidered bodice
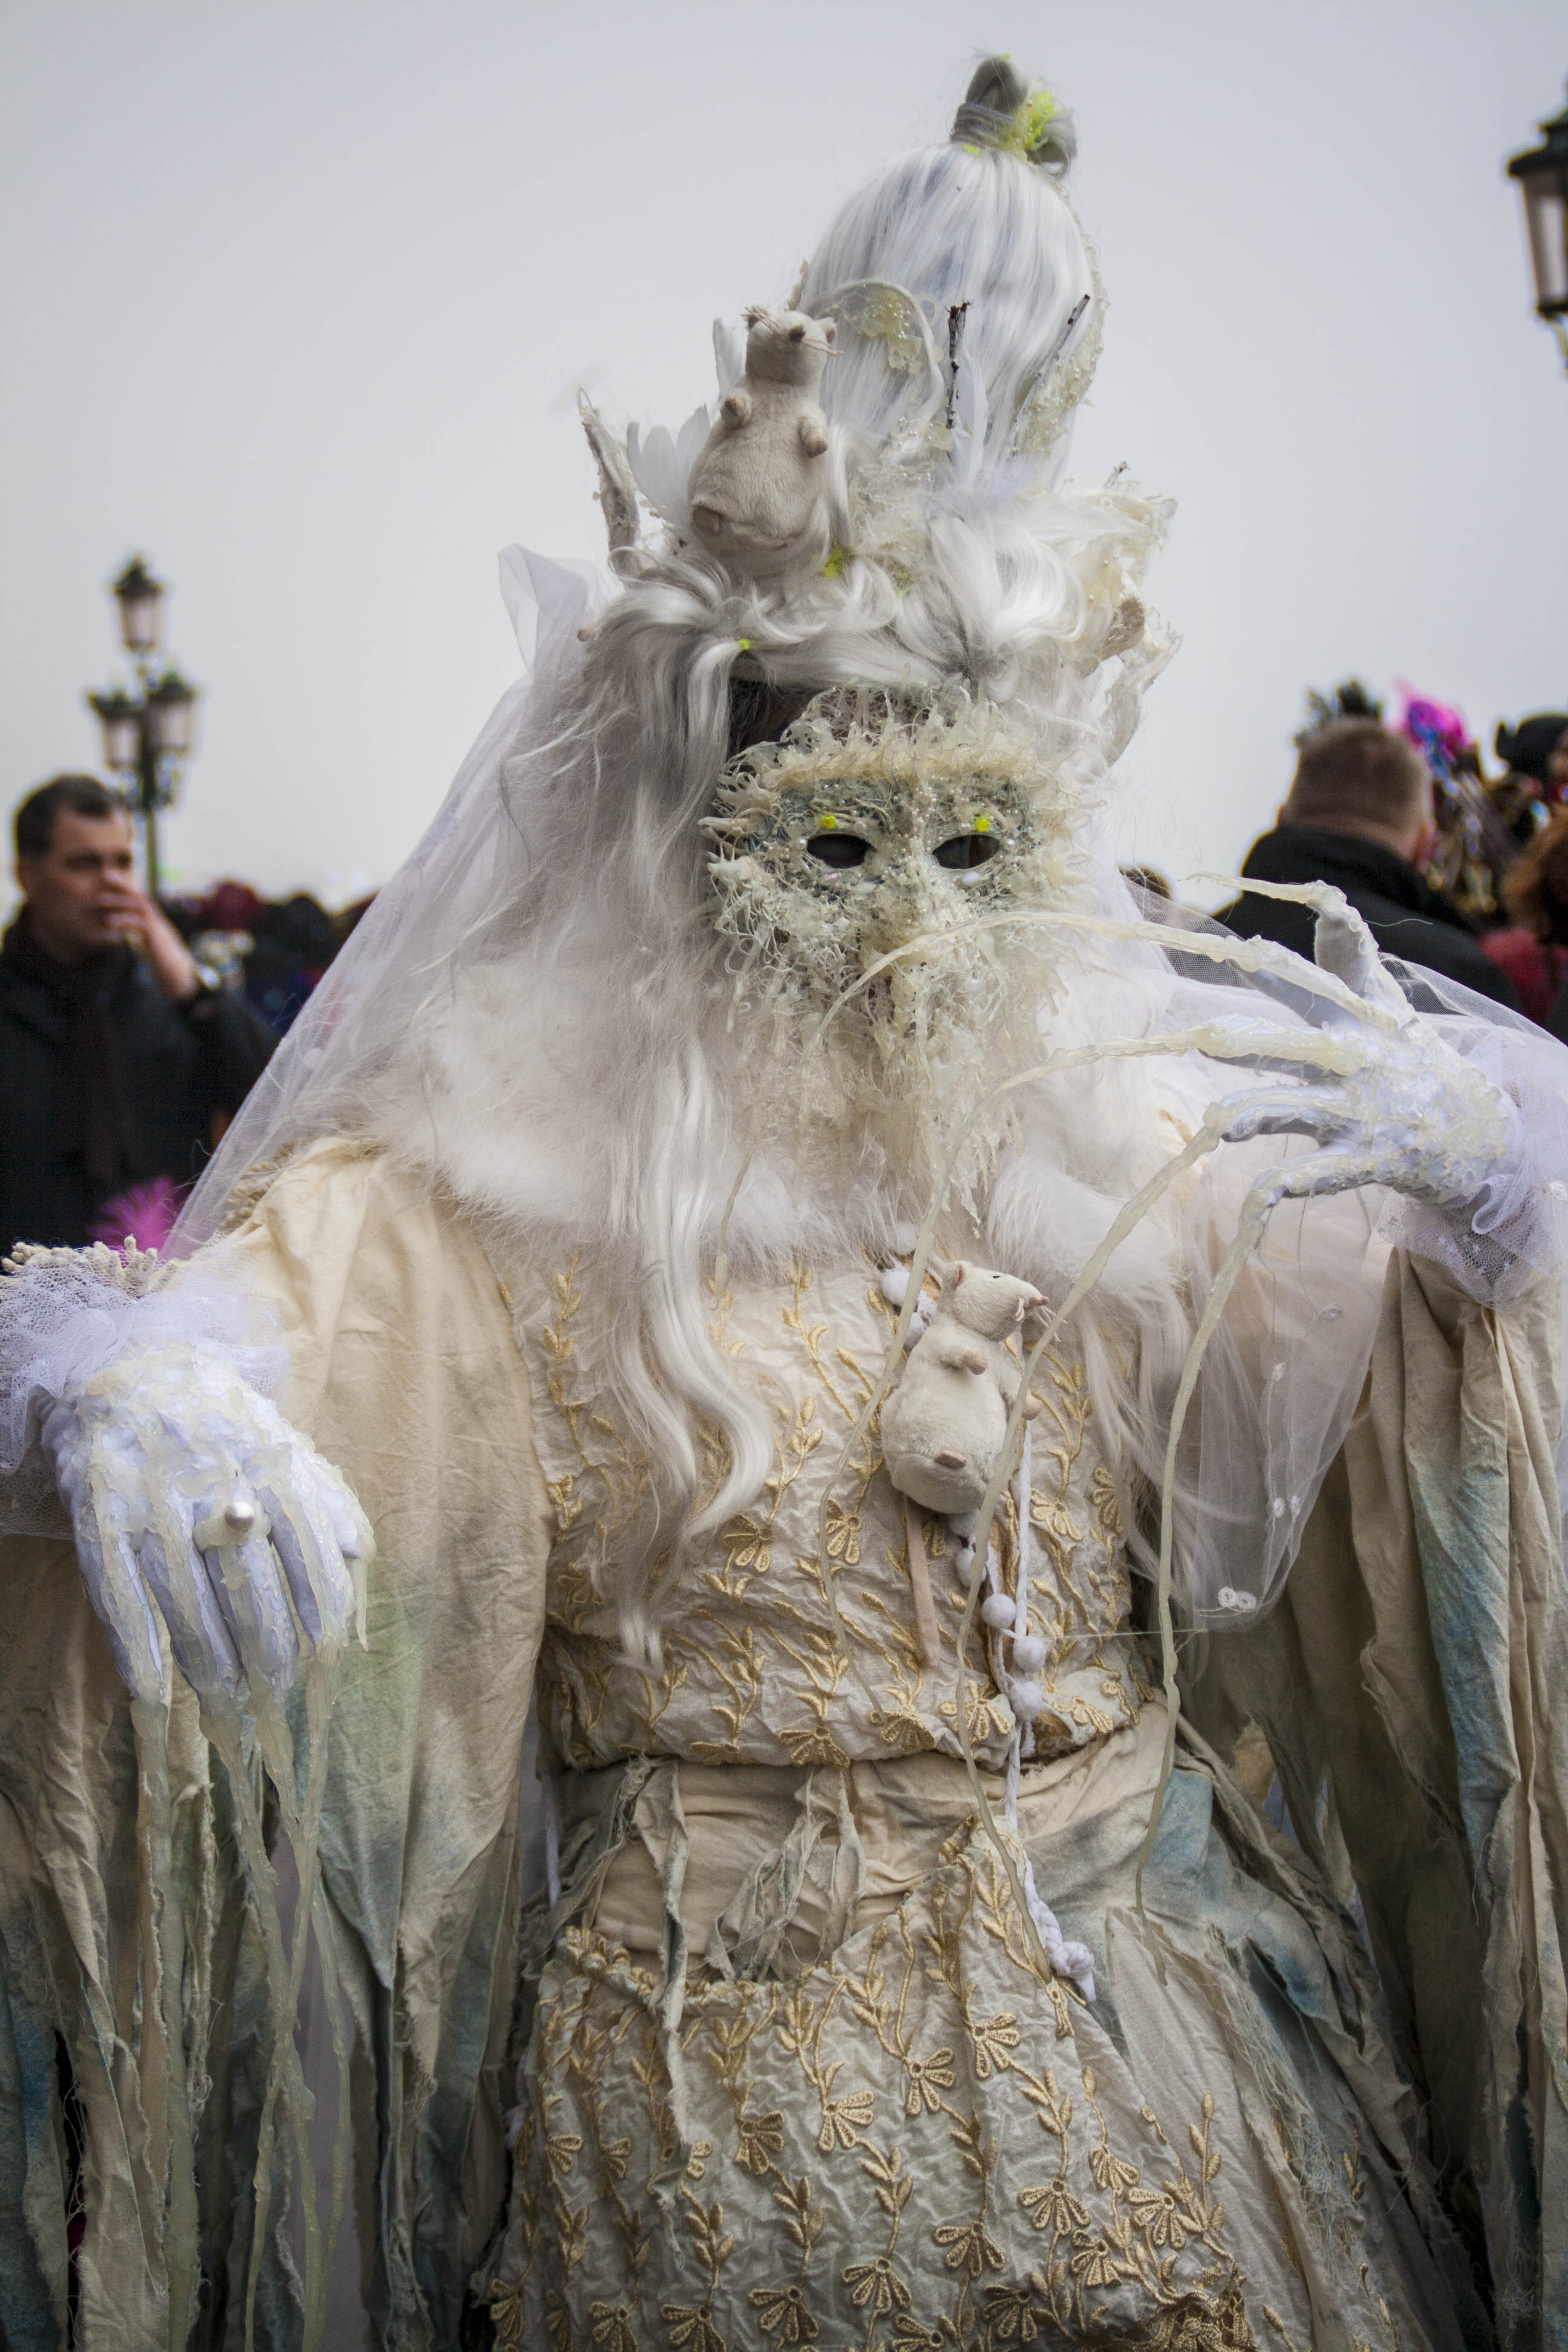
x: 753, y: 1670
x: 798, y: 2073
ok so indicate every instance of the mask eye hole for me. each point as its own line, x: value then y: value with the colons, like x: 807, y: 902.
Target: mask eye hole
x: 838, y: 849
x: 967, y: 849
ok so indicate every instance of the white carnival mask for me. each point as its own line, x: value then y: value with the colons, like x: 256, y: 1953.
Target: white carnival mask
x: 863, y: 831
x: 875, y: 827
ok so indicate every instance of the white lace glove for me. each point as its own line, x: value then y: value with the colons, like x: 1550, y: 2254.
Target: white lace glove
x: 1388, y: 1100
x: 188, y: 1490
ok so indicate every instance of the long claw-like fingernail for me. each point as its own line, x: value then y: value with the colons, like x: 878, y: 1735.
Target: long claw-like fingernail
x: 198, y: 1633
x: 269, y: 1646
x: 320, y: 1584
x: 120, y: 1598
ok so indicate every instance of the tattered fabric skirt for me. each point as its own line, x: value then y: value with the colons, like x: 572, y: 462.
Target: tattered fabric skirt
x: 798, y: 2074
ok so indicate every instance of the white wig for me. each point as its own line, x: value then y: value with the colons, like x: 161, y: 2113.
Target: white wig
x: 977, y: 231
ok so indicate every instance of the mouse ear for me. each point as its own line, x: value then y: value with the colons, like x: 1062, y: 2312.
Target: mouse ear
x: 956, y: 1276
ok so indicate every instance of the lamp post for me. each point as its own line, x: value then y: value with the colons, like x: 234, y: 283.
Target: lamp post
x: 148, y: 733
x: 1542, y: 175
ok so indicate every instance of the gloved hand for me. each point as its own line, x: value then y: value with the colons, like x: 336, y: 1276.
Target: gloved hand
x: 192, y: 1499
x: 1389, y: 1101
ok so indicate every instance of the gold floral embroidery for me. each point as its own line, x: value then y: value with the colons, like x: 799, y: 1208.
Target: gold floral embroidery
x: 741, y: 1634
x: 562, y: 1493
x: 801, y: 1280
x: 994, y: 2040
x: 738, y: 1659
x: 1106, y: 1502
x: 929, y: 2077
x: 782, y: 2310
x: 1022, y: 2315
x: 612, y: 2326
x: 758, y: 2139
x: 1147, y: 2224
x: 922, y: 2142
x: 813, y: 1743
x: 1123, y: 2238
x: 507, y: 2313
x: 691, y: 2327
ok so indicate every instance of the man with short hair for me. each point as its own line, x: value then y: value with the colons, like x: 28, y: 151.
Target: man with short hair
x: 115, y: 1050
x: 1359, y: 815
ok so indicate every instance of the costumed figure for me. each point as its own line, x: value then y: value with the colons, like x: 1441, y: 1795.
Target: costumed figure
x: 935, y: 1378
x: 1534, y: 754
x: 1474, y: 847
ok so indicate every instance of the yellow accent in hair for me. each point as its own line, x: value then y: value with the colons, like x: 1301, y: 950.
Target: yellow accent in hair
x: 835, y: 562
x: 829, y: 823
x: 1027, y: 126
x: 982, y: 824
x: 743, y: 644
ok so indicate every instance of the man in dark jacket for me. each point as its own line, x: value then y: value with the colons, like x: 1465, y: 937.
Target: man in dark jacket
x: 115, y: 1052
x: 1359, y: 816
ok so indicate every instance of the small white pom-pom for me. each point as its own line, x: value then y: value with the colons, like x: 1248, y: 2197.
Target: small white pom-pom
x: 904, y: 1240
x: 894, y: 1282
x: 998, y: 1610
x: 1028, y: 1653
x: 1027, y: 1700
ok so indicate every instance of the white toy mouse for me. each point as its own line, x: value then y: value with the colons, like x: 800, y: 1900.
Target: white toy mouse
x: 758, y: 494
x: 944, y: 1425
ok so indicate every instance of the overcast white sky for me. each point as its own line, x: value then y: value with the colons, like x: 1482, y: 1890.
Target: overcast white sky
x: 295, y: 292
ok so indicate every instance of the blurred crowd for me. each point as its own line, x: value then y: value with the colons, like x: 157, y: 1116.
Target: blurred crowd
x: 131, y: 1030
x: 273, y: 950
x: 1461, y: 872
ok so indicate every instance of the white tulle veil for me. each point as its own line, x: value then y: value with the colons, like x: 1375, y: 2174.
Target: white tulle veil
x: 536, y: 1011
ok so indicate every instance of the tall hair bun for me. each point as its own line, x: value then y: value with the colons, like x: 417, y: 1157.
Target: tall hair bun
x: 1001, y: 110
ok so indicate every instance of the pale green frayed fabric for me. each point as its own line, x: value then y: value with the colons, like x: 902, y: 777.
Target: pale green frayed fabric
x: 404, y: 1367
x: 1411, y: 1686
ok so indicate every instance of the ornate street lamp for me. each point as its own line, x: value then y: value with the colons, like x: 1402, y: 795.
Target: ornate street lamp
x: 171, y: 716
x: 1542, y: 175
x: 148, y: 734
x: 141, y: 600
x: 120, y: 714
